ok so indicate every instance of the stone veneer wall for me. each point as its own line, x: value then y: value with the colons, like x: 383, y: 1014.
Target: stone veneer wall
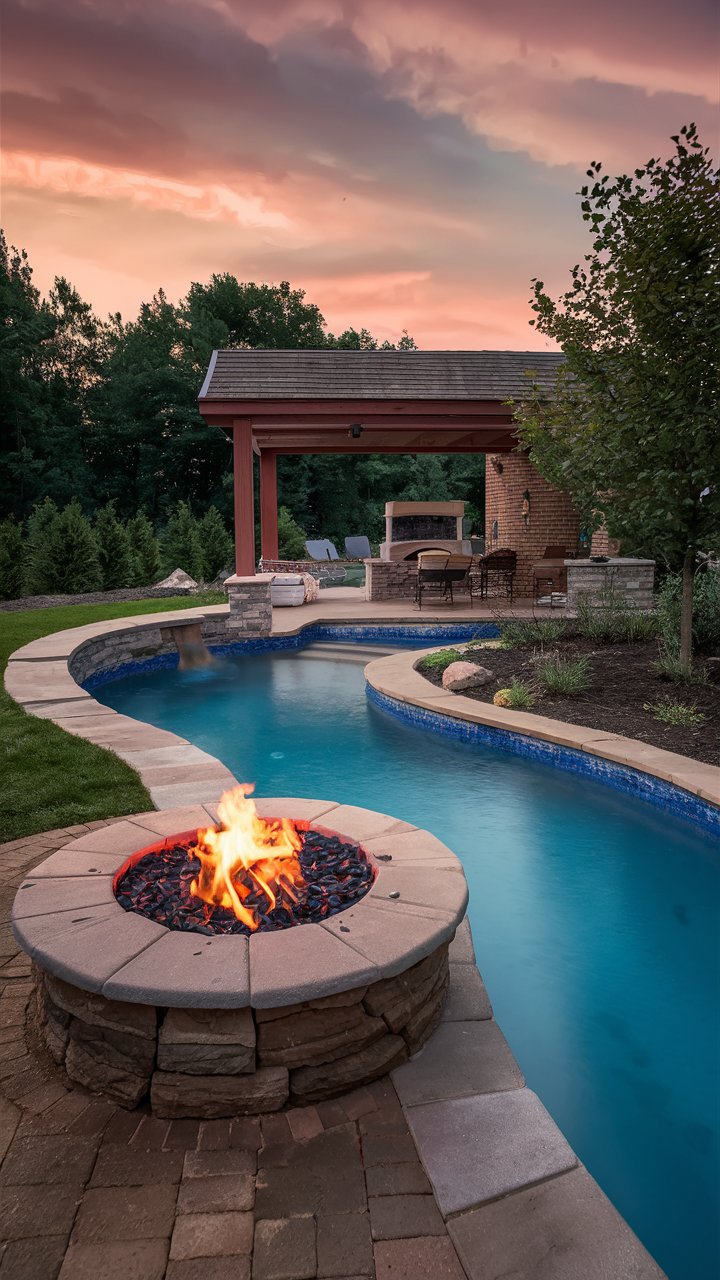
x: 134, y: 644
x: 210, y: 1063
x: 553, y: 519
x: 390, y: 579
x: 631, y: 580
x: 250, y: 607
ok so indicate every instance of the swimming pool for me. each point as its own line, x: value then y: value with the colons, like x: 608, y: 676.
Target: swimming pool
x: 594, y: 916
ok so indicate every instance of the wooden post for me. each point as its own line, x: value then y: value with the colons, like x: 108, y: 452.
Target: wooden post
x: 243, y: 490
x: 268, y: 504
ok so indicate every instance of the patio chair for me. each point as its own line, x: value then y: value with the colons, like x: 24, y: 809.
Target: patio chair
x: 322, y: 549
x: 358, y: 548
x: 439, y: 571
x: 498, y: 569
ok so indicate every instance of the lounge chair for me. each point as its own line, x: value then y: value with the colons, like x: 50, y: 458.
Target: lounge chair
x: 358, y: 548
x: 322, y: 549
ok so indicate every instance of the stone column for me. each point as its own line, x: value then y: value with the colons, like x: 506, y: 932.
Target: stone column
x: 250, y: 607
x: 630, y: 580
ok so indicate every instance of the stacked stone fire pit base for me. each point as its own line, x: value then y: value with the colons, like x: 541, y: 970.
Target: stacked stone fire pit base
x: 222, y: 1026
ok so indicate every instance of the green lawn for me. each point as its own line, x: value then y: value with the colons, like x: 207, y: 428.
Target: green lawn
x: 51, y: 778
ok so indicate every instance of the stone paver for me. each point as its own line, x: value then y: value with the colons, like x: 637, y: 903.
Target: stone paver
x: 565, y: 1229
x: 428, y: 1258
x: 285, y: 1249
x: 514, y: 1143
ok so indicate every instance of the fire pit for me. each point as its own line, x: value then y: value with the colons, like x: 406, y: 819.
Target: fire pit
x: 285, y: 952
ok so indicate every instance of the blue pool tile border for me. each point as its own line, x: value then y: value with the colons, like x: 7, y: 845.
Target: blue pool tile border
x: 432, y: 633
x: 631, y: 782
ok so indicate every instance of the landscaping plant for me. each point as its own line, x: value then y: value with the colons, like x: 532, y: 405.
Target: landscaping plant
x: 67, y: 559
x: 116, y: 565
x: 607, y: 618
x: 675, y: 713
x: 440, y: 660
x: 517, y: 697
x: 144, y: 550
x: 11, y: 559
x: 180, y: 543
x: 705, y: 615
x: 631, y: 431
x: 217, y: 549
x: 566, y: 676
x: 518, y: 633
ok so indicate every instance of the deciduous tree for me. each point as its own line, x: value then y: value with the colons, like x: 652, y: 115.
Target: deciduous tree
x: 632, y: 432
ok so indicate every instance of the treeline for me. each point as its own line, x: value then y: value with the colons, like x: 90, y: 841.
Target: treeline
x: 105, y: 411
x: 57, y: 552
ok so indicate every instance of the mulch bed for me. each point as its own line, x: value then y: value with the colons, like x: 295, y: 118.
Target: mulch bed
x: 622, y: 682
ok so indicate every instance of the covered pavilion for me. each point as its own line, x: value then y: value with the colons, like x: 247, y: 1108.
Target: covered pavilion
x: 335, y: 401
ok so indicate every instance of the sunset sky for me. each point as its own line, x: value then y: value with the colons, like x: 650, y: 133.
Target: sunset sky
x: 409, y: 164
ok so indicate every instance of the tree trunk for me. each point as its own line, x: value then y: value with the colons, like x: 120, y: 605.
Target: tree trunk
x: 686, y: 609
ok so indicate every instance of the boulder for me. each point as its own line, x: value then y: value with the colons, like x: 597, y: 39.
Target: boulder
x: 176, y: 1096
x: 465, y: 675
x: 178, y: 578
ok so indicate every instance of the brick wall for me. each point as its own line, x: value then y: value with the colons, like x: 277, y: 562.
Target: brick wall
x: 553, y: 519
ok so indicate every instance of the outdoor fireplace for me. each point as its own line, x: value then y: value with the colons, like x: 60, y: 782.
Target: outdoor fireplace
x: 411, y: 527
x: 287, y: 952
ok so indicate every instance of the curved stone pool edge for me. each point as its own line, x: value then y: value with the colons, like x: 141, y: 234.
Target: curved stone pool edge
x: 47, y: 677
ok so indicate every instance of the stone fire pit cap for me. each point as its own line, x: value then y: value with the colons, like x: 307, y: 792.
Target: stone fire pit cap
x: 66, y: 917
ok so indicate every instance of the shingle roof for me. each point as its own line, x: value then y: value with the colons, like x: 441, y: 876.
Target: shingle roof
x: 376, y: 375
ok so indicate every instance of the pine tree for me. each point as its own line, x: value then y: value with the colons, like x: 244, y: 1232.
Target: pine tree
x: 38, y: 525
x: 144, y: 551
x: 113, y: 549
x: 291, y: 538
x: 67, y: 560
x: 11, y: 559
x: 180, y: 543
x: 216, y: 545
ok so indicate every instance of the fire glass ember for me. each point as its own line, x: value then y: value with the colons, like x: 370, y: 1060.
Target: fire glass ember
x: 249, y: 873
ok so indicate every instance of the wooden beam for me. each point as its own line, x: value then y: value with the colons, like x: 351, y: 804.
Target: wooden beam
x: 352, y: 410
x: 268, y: 505
x: 243, y: 495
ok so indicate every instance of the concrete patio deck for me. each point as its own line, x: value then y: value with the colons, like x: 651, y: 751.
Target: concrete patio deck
x: 347, y: 604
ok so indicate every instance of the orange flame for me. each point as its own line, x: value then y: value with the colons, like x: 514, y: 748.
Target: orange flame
x: 247, y: 852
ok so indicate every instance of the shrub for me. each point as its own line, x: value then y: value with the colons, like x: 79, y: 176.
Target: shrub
x: 291, y: 537
x: 11, y: 560
x: 607, y: 619
x: 567, y: 676
x: 67, y: 560
x: 217, y: 550
x: 38, y: 525
x: 675, y: 713
x: 530, y: 632
x: 113, y: 544
x: 706, y: 612
x: 670, y: 666
x: 180, y: 543
x: 144, y: 551
x: 518, y: 697
x: 440, y: 660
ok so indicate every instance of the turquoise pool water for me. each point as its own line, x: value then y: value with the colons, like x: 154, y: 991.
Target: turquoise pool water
x: 594, y: 917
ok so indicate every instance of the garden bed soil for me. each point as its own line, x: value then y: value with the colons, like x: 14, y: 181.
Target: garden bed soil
x: 622, y: 681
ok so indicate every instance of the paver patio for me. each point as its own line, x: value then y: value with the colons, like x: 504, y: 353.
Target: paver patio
x: 89, y: 1191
